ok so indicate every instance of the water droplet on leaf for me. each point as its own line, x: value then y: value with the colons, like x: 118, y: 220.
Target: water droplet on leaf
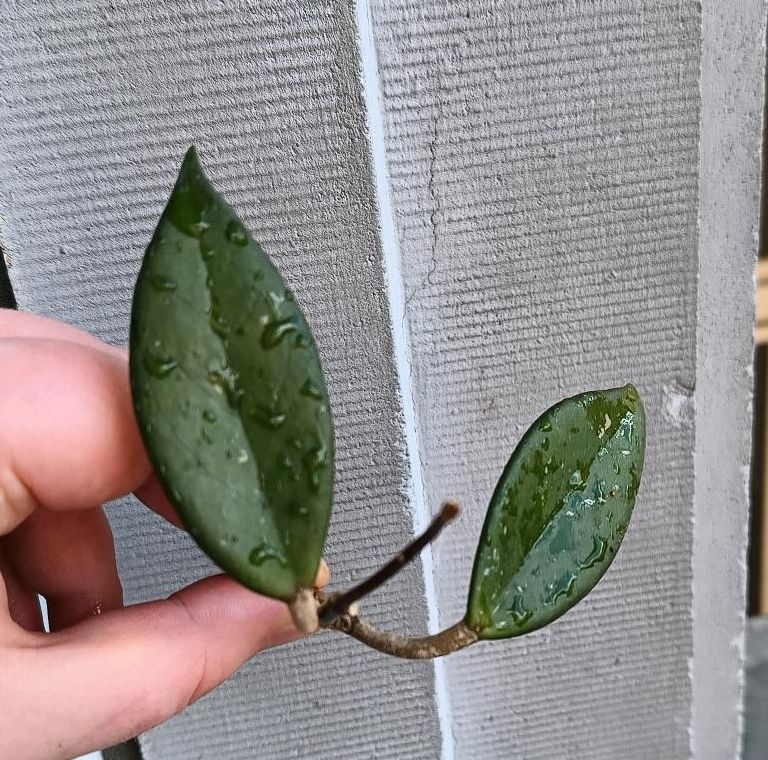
x: 198, y: 228
x: 225, y: 381
x: 520, y: 614
x: 315, y: 461
x: 236, y: 234
x: 311, y: 390
x: 561, y: 587
x: 597, y: 554
x: 269, y: 418
x: 219, y: 323
x: 160, y: 366
x: 265, y: 552
x: 275, y: 331
x: 162, y: 283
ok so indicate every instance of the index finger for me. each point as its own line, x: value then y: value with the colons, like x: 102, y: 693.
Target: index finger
x: 17, y: 324
x: 68, y: 438
x: 24, y: 324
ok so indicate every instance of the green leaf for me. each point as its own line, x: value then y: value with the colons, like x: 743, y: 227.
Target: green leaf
x: 229, y: 393
x: 559, y: 512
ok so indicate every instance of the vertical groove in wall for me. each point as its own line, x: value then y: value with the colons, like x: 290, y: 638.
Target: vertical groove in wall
x: 401, y: 345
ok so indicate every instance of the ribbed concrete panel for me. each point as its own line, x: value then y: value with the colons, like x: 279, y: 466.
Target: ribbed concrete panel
x: 544, y: 172
x: 99, y: 100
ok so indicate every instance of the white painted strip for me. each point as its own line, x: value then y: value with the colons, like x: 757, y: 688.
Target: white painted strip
x: 401, y: 345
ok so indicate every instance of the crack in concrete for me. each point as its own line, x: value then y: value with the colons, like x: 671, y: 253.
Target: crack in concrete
x: 433, y: 215
x: 435, y: 200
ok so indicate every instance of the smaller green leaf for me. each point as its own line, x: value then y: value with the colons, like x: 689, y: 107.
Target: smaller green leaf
x: 559, y: 512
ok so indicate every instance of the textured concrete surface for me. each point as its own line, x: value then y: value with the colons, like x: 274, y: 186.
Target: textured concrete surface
x: 543, y: 162
x: 732, y: 90
x: 99, y: 101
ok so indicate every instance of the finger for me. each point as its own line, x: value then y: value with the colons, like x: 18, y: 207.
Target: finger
x: 15, y: 324
x: 69, y: 558
x: 19, y: 605
x: 323, y: 575
x: 21, y: 324
x: 69, y: 439
x: 111, y: 677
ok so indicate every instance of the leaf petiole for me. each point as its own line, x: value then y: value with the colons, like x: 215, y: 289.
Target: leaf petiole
x: 456, y: 637
x: 336, y: 605
x: 336, y: 611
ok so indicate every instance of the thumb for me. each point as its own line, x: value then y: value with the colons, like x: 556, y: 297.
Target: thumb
x: 116, y: 675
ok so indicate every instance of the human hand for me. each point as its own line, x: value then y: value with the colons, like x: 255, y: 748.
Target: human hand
x: 68, y: 443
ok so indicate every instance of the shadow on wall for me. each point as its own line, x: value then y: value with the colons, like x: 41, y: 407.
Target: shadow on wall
x: 7, y: 299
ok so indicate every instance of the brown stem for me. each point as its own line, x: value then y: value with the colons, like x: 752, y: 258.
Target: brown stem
x: 338, y: 604
x: 450, y: 640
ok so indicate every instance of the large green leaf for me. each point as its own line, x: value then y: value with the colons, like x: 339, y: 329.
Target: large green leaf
x: 229, y: 393
x: 559, y: 512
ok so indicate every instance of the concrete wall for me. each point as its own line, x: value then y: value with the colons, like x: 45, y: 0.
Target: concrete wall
x: 483, y: 207
x: 99, y: 104
x: 732, y: 110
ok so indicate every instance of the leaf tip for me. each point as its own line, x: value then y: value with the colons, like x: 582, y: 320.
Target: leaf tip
x: 630, y: 398
x: 631, y: 394
x: 627, y: 396
x: 191, y: 164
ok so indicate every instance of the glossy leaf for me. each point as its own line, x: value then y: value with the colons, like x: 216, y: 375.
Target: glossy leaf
x: 559, y: 512
x: 229, y: 393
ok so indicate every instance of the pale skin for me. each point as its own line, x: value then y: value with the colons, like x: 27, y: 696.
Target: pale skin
x: 69, y: 443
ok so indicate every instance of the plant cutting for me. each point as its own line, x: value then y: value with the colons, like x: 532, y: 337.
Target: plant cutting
x: 233, y: 407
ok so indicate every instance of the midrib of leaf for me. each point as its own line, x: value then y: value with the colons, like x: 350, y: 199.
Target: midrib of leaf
x: 243, y: 428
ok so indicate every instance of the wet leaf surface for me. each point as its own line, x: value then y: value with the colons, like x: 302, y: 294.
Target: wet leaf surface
x: 229, y: 393
x: 559, y: 512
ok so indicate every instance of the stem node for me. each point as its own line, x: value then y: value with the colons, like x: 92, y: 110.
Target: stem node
x: 339, y: 611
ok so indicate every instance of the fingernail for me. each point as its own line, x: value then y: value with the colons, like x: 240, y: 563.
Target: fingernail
x: 323, y: 576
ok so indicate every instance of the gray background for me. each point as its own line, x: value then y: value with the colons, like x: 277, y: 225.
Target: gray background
x: 540, y: 224
x: 483, y: 207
